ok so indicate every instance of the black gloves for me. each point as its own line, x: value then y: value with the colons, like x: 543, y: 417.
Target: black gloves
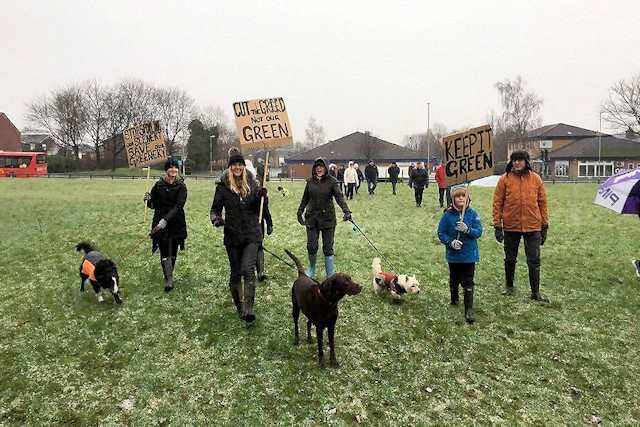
x: 269, y: 230
x: 301, y: 219
x: 262, y: 192
x: 543, y: 234
x: 218, y: 221
x: 347, y: 216
x: 499, y: 234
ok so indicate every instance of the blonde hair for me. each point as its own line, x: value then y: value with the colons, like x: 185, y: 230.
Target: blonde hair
x: 239, y: 185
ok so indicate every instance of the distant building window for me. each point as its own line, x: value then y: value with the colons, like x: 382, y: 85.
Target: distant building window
x: 32, y: 146
x: 562, y: 168
x: 595, y: 169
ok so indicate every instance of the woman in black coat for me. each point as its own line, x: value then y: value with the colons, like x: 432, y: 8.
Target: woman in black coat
x: 320, y: 216
x: 238, y: 194
x: 169, y: 226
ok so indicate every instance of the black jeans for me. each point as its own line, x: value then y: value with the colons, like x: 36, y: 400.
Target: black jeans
x: 462, y: 273
x: 242, y: 262
x: 418, y: 192
x: 350, y: 187
x: 441, y: 195
x: 327, y: 240
x: 531, y: 247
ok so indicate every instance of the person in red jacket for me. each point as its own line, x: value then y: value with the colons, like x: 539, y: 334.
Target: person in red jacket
x: 442, y: 186
x: 520, y: 212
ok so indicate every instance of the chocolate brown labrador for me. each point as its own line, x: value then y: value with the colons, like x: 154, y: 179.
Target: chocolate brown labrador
x: 319, y: 303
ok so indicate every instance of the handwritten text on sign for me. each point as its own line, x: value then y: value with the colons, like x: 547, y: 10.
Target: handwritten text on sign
x: 468, y: 155
x: 262, y: 123
x: 144, y: 144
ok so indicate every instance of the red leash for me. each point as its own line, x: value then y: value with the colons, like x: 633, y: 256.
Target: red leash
x: 137, y: 244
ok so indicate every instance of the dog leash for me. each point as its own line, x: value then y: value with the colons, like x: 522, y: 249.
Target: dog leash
x: 278, y: 258
x: 372, y: 245
x: 136, y: 246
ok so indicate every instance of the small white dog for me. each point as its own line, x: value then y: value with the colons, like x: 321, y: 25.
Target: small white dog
x: 396, y: 284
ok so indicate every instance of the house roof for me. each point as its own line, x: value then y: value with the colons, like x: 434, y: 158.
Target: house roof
x: 29, y: 138
x: 606, y: 146
x: 359, y: 147
x: 559, y: 131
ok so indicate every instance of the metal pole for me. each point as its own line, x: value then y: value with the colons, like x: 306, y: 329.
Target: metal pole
x: 428, y: 140
x: 210, y: 155
x: 600, y: 145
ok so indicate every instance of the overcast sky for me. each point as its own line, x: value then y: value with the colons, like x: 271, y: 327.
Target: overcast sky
x: 351, y: 65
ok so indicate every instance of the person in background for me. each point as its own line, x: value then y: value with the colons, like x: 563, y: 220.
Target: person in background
x: 268, y: 221
x: 459, y: 229
x: 350, y: 180
x: 317, y: 214
x: 360, y: 176
x: 332, y: 170
x: 238, y: 195
x: 260, y: 171
x: 520, y: 212
x: 393, y: 171
x: 409, y: 170
x: 442, y: 186
x: 169, y: 225
x: 340, y: 176
x: 420, y: 180
x: 371, y: 174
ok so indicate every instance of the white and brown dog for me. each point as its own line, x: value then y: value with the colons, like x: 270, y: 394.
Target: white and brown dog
x: 396, y: 284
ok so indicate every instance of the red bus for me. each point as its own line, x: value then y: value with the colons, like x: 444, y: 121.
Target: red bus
x: 22, y: 164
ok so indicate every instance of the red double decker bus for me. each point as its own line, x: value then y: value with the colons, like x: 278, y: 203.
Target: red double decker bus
x: 22, y: 164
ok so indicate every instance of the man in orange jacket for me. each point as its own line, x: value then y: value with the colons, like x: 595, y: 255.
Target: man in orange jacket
x: 523, y: 215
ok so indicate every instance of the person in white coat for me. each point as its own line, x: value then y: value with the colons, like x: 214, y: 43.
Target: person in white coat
x: 350, y: 180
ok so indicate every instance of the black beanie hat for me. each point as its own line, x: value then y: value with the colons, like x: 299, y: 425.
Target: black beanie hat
x: 520, y: 155
x: 171, y: 162
x: 235, y: 156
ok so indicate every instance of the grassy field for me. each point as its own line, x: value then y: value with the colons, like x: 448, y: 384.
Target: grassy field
x: 186, y: 359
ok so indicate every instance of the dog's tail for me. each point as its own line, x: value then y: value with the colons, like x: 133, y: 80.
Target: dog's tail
x: 375, y: 265
x: 85, y: 246
x: 298, y: 263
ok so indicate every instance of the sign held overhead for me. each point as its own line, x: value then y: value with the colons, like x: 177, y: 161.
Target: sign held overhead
x: 468, y: 155
x: 262, y: 123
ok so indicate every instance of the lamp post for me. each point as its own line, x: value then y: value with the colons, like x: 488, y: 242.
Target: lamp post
x: 600, y: 145
x: 428, y: 134
x: 211, y: 154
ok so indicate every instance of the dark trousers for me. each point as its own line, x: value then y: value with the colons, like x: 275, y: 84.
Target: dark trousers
x: 313, y: 235
x: 242, y: 262
x: 350, y: 187
x: 531, y: 247
x: 371, y: 185
x: 462, y: 273
x: 393, y: 185
x: 168, y: 248
x: 418, y: 191
x: 441, y: 195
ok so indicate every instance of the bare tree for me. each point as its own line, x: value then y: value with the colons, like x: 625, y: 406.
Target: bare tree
x: 520, y: 108
x: 64, y: 116
x: 96, y: 98
x: 314, y: 134
x: 370, y: 147
x: 212, y: 116
x: 176, y: 109
x: 622, y: 108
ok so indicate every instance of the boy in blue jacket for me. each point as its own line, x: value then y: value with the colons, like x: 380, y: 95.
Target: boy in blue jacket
x: 459, y: 230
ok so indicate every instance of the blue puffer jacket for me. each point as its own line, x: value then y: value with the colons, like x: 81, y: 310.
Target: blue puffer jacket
x: 447, y: 232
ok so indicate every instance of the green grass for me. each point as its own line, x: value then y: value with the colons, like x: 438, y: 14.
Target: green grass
x: 185, y: 358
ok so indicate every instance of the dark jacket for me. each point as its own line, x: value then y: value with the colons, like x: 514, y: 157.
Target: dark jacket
x: 419, y: 178
x: 393, y: 172
x: 447, y: 232
x: 167, y: 201
x: 241, y: 213
x: 371, y: 172
x: 318, y: 200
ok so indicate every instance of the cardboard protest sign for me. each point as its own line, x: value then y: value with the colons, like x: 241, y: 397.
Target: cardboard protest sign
x: 262, y: 123
x: 468, y: 155
x: 144, y: 144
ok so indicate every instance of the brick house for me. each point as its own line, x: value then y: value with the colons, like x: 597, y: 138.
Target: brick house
x: 9, y: 134
x: 564, y: 152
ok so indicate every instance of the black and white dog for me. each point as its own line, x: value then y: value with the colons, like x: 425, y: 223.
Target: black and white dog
x: 101, y: 272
